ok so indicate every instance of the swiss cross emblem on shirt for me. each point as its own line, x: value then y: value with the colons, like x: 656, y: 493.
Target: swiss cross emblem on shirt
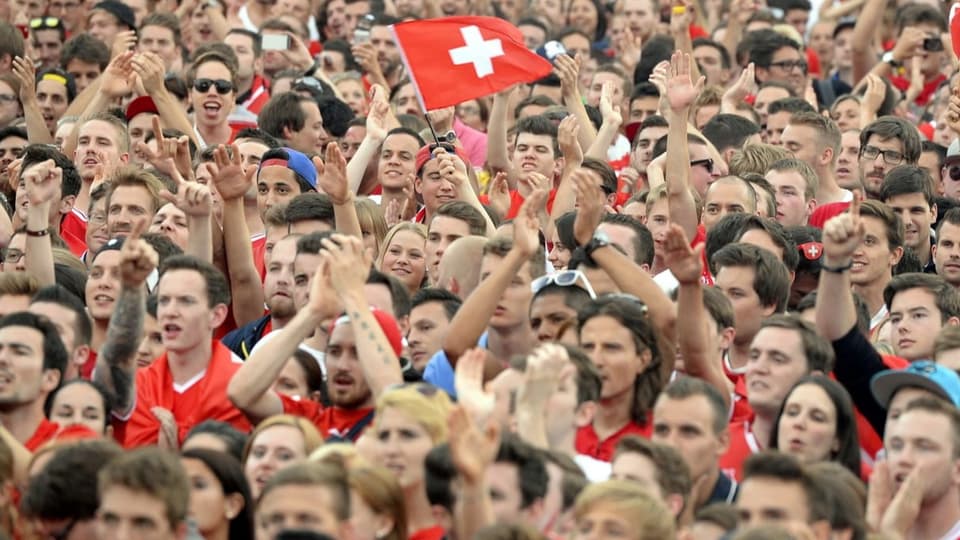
x: 813, y: 251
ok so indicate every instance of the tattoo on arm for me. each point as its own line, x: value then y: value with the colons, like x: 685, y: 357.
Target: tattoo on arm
x: 123, y: 338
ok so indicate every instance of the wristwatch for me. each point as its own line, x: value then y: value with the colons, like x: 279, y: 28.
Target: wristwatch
x: 600, y: 239
x: 888, y: 59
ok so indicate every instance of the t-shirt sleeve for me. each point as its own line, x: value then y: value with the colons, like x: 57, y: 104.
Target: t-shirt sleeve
x: 856, y: 364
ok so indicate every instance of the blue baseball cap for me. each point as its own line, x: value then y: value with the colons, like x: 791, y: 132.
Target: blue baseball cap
x: 942, y: 381
x: 293, y: 160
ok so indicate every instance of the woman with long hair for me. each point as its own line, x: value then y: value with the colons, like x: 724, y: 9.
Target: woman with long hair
x: 220, y: 500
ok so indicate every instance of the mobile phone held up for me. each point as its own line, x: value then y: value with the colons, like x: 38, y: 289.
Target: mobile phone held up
x: 275, y: 42
x: 362, y: 32
x: 551, y: 50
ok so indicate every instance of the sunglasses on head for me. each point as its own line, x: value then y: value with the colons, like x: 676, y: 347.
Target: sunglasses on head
x: 564, y: 278
x: 223, y: 86
x: 45, y: 22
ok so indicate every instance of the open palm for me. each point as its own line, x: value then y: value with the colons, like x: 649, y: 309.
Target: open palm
x: 681, y: 92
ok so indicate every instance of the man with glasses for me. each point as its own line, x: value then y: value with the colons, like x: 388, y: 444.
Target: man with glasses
x: 69, y: 13
x: 950, y: 175
x: 777, y: 58
x: 885, y: 143
x: 47, y: 35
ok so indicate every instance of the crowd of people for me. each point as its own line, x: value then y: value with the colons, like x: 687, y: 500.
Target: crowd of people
x: 700, y: 282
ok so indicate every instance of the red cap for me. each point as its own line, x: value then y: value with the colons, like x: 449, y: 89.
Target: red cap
x: 425, y: 154
x: 387, y: 323
x: 142, y: 104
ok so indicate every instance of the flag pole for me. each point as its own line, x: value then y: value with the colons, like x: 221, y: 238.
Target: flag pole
x: 432, y: 131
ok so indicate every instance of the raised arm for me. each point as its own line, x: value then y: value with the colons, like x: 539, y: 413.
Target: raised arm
x: 681, y: 93
x: 232, y: 183
x: 864, y: 38
x: 680, y: 20
x: 370, y: 145
x: 150, y: 69
x: 498, y: 157
x: 836, y: 313
x: 117, y: 360
x: 249, y: 389
x: 348, y: 264
x: 693, y: 337
x: 42, y: 183
x: 37, y: 131
x: 566, y: 197
x: 454, y: 170
x: 567, y: 69
x: 610, y: 127
x: 332, y: 179
x: 471, y: 319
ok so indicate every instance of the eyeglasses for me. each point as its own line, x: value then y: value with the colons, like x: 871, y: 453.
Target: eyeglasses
x: 563, y: 278
x: 890, y: 157
x: 706, y: 163
x: 13, y: 256
x: 45, y: 22
x: 223, y: 86
x: 812, y: 251
x: 98, y: 219
x: 788, y: 65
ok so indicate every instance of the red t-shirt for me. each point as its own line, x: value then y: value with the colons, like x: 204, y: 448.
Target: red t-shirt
x: 742, y: 445
x: 259, y: 245
x: 45, y: 431
x: 86, y: 370
x: 589, y: 443
x: 516, y: 201
x: 903, y: 83
x: 203, y: 398
x: 73, y: 230
x: 430, y: 533
x: 330, y: 421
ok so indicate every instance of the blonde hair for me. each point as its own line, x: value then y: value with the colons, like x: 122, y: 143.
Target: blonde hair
x: 647, y: 515
x: 371, y: 220
x: 344, y: 451
x: 382, y: 493
x: 417, y: 228
x: 311, y: 437
x: 423, y: 403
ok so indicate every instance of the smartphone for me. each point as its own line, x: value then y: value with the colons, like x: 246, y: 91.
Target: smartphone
x: 553, y: 49
x: 362, y: 33
x: 275, y: 42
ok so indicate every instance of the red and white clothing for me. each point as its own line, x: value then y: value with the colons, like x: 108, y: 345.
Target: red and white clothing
x: 330, y: 421
x: 516, y: 201
x: 255, y: 98
x: 202, y: 398
x: 743, y: 443
x: 46, y: 431
x: 73, y: 230
x: 589, y: 443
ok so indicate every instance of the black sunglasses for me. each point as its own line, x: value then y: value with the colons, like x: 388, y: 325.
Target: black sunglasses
x: 39, y: 23
x: 223, y: 86
x: 707, y: 163
x: 953, y: 171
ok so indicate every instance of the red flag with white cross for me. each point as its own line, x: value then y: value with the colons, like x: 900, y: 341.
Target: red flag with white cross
x: 955, y: 28
x: 454, y: 59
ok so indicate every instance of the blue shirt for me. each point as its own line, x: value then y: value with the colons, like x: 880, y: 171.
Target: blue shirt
x: 439, y: 372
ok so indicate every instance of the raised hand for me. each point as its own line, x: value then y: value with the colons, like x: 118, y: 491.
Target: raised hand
x: 745, y: 85
x: 377, y: 116
x: 547, y: 366
x: 323, y: 302
x: 123, y: 43
x: 27, y: 76
x: 526, y: 226
x: 909, y: 43
x: 137, y: 258
x: 348, y: 262
x: 468, y: 381
x: 590, y: 202
x: 471, y: 450
x: 953, y: 110
x: 683, y: 261
x: 499, y: 193
x: 452, y: 168
x: 229, y: 177
x: 193, y: 198
x: 42, y: 183
x: 332, y: 175
x: 609, y: 110
x: 442, y: 118
x: 681, y: 92
x: 366, y: 56
x: 163, y: 157
x: 117, y: 80
x: 567, y: 140
x: 874, y: 95
x: 151, y: 70
x: 297, y: 53
x: 842, y: 235
x: 681, y: 16
x: 567, y: 69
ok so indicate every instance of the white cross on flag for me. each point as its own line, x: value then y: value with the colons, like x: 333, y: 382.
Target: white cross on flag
x: 454, y: 59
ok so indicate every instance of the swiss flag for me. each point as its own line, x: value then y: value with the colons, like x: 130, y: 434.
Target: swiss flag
x: 955, y: 28
x: 455, y: 59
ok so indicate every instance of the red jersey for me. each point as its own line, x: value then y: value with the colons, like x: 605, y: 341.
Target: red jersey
x: 929, y: 88
x: 516, y: 201
x: 259, y: 244
x: 740, y: 406
x: 86, y: 370
x: 45, y: 431
x: 330, y: 421
x: 742, y: 445
x: 73, y: 230
x: 430, y: 533
x: 202, y: 398
x: 589, y: 443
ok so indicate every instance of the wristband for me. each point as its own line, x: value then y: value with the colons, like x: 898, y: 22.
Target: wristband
x: 837, y: 269
x: 35, y: 234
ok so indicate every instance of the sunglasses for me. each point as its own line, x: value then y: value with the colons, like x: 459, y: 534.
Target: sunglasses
x: 953, y: 171
x: 45, y: 22
x: 223, y: 86
x: 563, y: 278
x: 706, y: 163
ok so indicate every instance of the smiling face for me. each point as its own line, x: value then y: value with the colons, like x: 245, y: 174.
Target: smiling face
x: 404, y: 259
x: 808, y: 426
x: 435, y: 188
x: 397, y: 160
x: 917, y: 216
x: 874, y: 259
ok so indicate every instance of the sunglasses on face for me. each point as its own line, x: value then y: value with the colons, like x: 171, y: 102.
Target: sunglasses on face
x: 706, y: 163
x: 953, y: 171
x: 203, y: 85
